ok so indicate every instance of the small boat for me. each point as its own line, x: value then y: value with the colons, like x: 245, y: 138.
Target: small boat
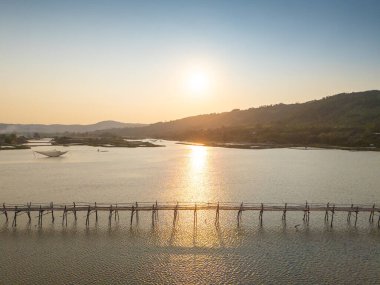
x: 51, y: 153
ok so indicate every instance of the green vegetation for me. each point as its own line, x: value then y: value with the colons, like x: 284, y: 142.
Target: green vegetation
x: 12, y: 141
x: 104, y: 141
x: 344, y: 120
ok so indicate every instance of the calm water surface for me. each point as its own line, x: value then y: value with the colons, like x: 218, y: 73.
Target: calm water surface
x: 293, y: 253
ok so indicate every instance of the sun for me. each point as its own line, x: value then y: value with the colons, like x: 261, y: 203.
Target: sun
x: 198, y: 82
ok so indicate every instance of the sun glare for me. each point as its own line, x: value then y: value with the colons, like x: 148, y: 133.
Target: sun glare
x: 198, y: 83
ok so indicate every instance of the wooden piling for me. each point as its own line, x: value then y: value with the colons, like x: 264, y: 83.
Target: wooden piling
x: 332, y: 215
x: 88, y: 215
x: 5, y: 212
x: 137, y: 213
x: 327, y: 212
x: 261, y: 214
x: 217, y: 215
x: 28, y: 212
x: 356, y: 215
x: 175, y: 216
x: 195, y: 215
x: 153, y: 215
x: 305, y: 212
x: 110, y: 215
x: 117, y: 213
x: 156, y: 210
x: 96, y: 213
x: 349, y: 213
x: 372, y: 213
x: 132, y: 212
x: 75, y: 211
x: 284, y: 212
x: 64, y: 216
x: 240, y: 212
x: 52, y: 212
x: 14, y: 223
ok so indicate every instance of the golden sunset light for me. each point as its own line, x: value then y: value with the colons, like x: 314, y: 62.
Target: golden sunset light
x: 189, y: 142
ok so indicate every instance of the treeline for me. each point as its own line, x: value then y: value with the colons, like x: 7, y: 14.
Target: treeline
x: 301, y: 136
x: 347, y: 119
x: 12, y: 139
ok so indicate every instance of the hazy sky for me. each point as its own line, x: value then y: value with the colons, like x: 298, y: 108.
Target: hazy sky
x: 147, y: 61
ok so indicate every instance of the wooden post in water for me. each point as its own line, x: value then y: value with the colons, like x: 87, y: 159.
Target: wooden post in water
x: 356, y: 215
x: 52, y: 212
x: 14, y: 223
x: 261, y: 214
x: 5, y: 212
x: 327, y: 212
x: 28, y: 212
x: 195, y: 215
x: 239, y: 214
x: 332, y: 215
x: 132, y: 212
x: 349, y: 213
x: 156, y: 210
x: 217, y: 215
x: 96, y: 213
x: 117, y: 214
x: 153, y: 214
x: 88, y: 216
x: 305, y: 212
x: 175, y: 216
x: 64, y: 216
x: 284, y: 212
x: 372, y: 214
x: 137, y: 213
x: 110, y: 215
x: 75, y: 211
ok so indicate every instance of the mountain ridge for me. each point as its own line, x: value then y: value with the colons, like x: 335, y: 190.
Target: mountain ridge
x: 342, y: 119
x: 62, y: 128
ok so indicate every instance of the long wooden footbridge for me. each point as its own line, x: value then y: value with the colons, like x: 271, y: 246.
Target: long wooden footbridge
x: 12, y: 211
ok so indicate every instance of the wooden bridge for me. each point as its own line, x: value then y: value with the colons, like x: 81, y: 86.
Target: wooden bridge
x: 14, y: 210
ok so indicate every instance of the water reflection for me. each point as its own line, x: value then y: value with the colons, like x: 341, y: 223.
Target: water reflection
x: 198, y: 158
x: 197, y: 174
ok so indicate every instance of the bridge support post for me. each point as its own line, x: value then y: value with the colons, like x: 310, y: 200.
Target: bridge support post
x: 52, y: 212
x: 14, y: 223
x: 28, y: 212
x: 153, y: 215
x: 261, y: 214
x: 356, y: 215
x: 5, y: 212
x: 372, y: 214
x: 137, y: 213
x: 88, y: 216
x: 75, y: 211
x: 332, y: 215
x: 132, y: 212
x: 284, y: 212
x: 195, y: 215
x: 175, y: 217
x: 327, y: 212
x: 96, y: 213
x: 217, y: 215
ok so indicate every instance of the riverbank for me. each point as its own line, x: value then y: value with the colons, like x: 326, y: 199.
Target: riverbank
x: 272, y: 146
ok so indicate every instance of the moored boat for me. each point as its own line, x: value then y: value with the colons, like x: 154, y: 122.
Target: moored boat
x: 51, y: 153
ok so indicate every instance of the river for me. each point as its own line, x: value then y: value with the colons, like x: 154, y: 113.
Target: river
x: 293, y: 253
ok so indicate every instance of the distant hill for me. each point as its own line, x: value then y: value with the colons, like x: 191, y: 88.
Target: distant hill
x: 57, y: 128
x: 344, y: 119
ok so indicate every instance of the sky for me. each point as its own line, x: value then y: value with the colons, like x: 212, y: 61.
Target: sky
x: 147, y: 61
